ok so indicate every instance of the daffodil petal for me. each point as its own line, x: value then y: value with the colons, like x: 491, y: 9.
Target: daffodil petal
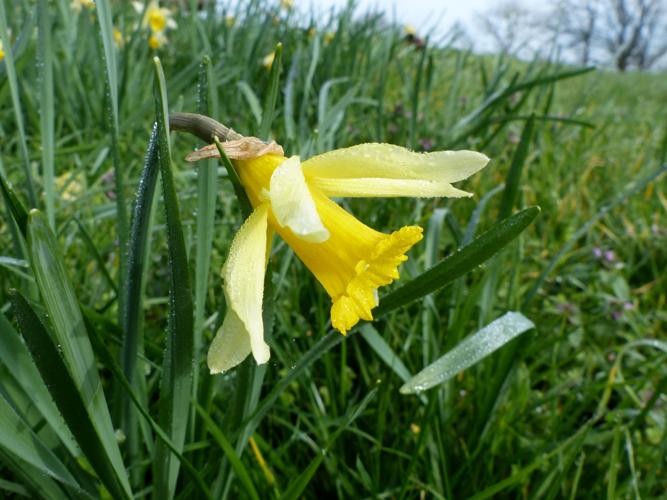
x: 386, y: 161
x: 292, y: 203
x: 230, y: 346
x: 378, y: 187
x: 244, y: 279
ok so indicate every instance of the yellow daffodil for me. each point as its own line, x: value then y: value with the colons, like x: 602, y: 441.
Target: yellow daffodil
x: 77, y: 5
x: 267, y: 60
x: 157, y: 40
x: 2, y: 51
x: 157, y: 18
x: 118, y: 38
x: 349, y: 259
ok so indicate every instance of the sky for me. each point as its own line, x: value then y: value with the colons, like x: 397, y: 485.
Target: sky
x: 422, y: 14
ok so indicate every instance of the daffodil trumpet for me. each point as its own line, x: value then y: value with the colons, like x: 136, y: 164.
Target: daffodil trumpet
x: 293, y: 199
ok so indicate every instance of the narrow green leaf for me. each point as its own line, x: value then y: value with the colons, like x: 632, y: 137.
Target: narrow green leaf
x: 72, y: 338
x: 137, y: 257
x: 15, y: 356
x: 514, y: 174
x: 16, y: 105
x: 252, y: 100
x: 176, y: 386
x: 105, y: 18
x: 70, y: 401
x: 17, y: 437
x: 111, y: 362
x: 207, y: 194
x: 469, y: 352
x: 16, y: 208
x: 272, y: 94
x: 38, y: 484
x: 298, y: 486
x: 229, y: 452
x: 456, y: 265
x: 46, y: 115
x: 386, y: 353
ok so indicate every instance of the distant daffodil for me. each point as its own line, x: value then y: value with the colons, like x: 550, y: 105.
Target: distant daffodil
x: 293, y: 198
x: 157, y: 20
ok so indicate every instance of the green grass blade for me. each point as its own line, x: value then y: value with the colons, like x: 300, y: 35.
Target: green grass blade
x: 15, y: 356
x: 469, y: 352
x: 70, y: 402
x: 105, y: 18
x: 298, y: 486
x: 252, y: 100
x: 46, y: 115
x: 71, y: 335
x: 229, y: 452
x: 176, y: 385
x: 111, y: 362
x: 18, y: 438
x: 207, y: 194
x: 456, y: 265
x: 514, y: 174
x: 272, y: 94
x: 16, y: 207
x: 16, y: 104
x: 384, y: 351
x: 137, y: 257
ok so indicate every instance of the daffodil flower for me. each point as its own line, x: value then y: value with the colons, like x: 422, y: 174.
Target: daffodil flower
x: 2, y: 51
x: 349, y: 259
x: 155, y: 17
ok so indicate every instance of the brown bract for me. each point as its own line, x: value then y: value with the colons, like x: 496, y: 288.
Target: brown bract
x: 240, y: 149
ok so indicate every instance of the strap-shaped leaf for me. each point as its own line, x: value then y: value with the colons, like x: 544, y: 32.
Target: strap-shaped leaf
x: 63, y: 389
x: 71, y: 336
x: 176, y: 386
x: 469, y: 352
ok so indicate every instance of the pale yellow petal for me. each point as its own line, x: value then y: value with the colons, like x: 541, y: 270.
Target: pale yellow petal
x: 385, y: 188
x: 386, y: 161
x: 230, y: 346
x: 292, y: 203
x: 244, y: 279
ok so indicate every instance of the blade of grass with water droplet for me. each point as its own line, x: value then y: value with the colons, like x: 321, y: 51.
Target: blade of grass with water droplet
x: 46, y: 105
x: 207, y: 193
x: 176, y: 385
x: 469, y: 352
x: 105, y: 18
x: 72, y: 338
x: 15, y: 356
x: 19, y: 438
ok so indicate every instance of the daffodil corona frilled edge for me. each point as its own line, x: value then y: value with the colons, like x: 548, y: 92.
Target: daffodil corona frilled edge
x: 349, y: 259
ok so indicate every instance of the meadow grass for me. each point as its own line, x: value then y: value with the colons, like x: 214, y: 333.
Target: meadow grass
x: 114, y: 283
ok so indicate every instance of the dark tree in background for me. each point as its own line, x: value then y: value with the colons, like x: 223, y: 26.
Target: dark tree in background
x: 624, y: 34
